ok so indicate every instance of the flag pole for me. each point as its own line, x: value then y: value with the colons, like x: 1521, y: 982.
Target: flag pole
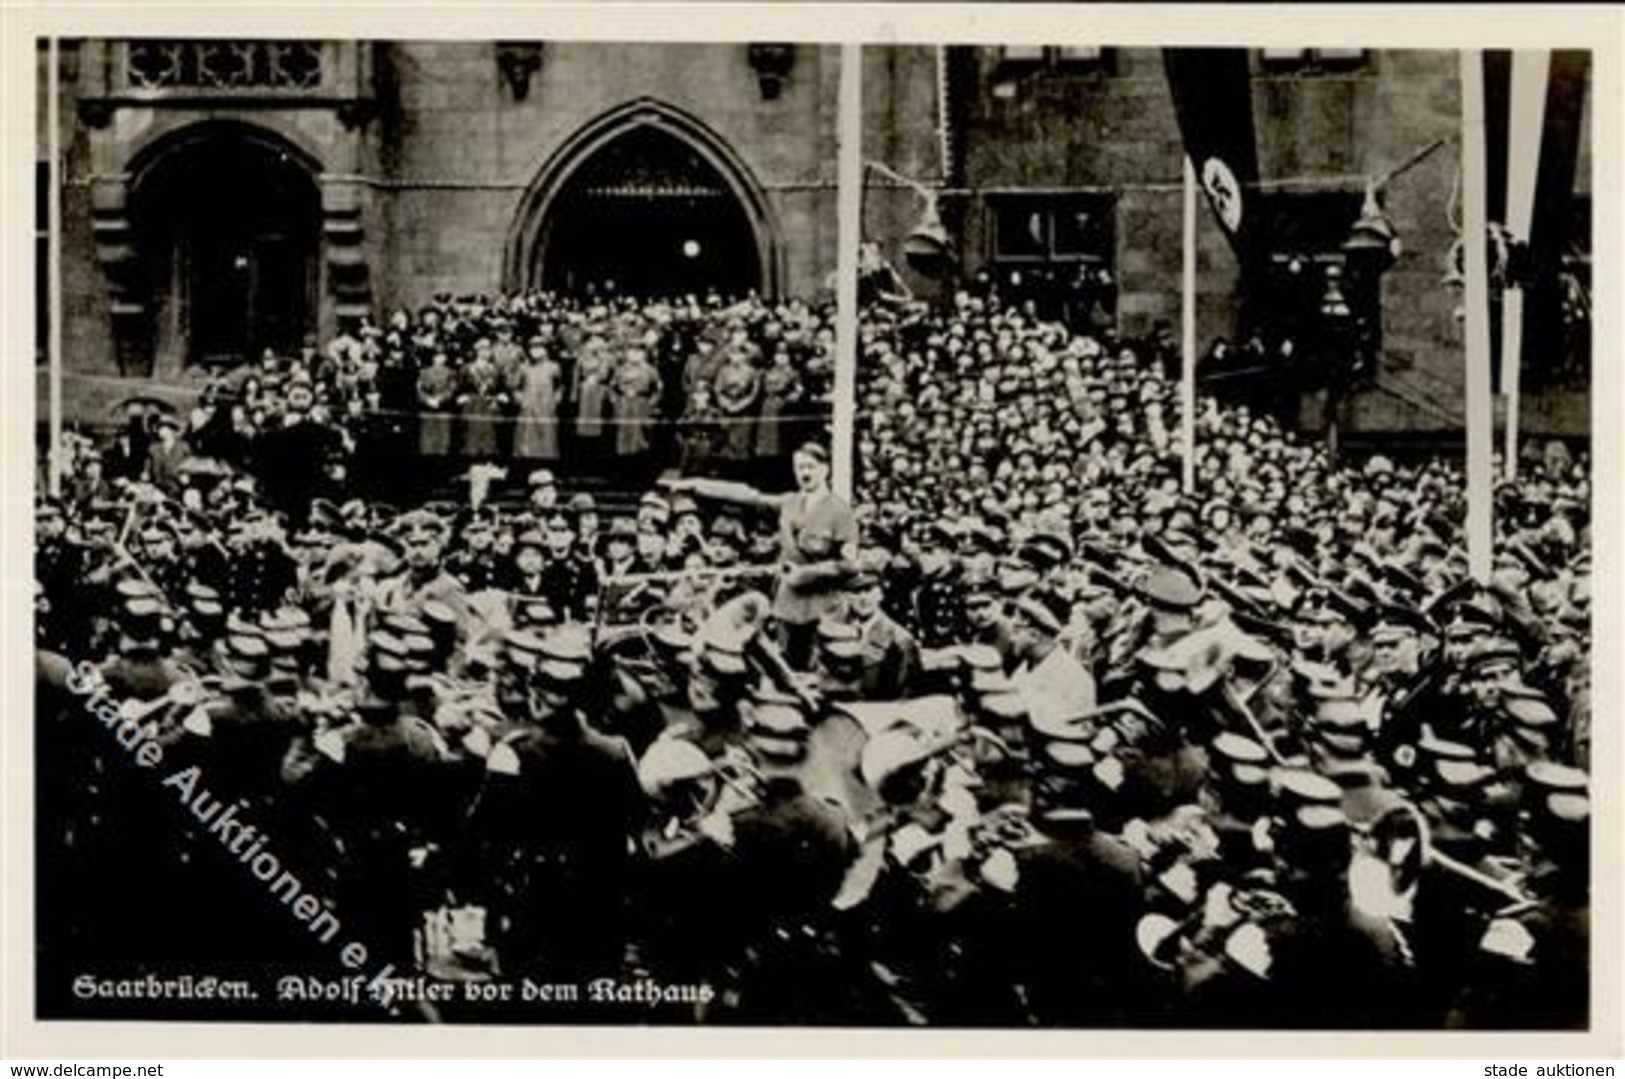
x: 849, y: 218
x: 1530, y: 69
x: 1187, y: 370
x: 53, y: 269
x: 1480, y: 417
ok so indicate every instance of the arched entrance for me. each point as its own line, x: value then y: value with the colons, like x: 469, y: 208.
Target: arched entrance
x: 228, y: 222
x: 648, y: 201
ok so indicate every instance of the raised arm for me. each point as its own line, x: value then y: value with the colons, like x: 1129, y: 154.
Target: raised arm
x: 742, y: 494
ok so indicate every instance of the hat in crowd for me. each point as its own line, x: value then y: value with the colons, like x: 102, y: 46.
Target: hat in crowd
x: 582, y: 503
x: 891, y: 755
x: 565, y: 653
x: 1395, y: 622
x: 1170, y: 588
x: 420, y: 525
x: 863, y: 580
x: 248, y: 659
x: 669, y: 762
x: 388, y: 652
x: 776, y: 725
x: 1047, y: 610
x: 1494, y: 657
x: 1044, y: 551
x: 654, y: 506
x: 522, y: 648
x: 724, y: 659
x: 541, y: 477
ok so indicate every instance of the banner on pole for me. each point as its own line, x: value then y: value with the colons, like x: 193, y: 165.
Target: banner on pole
x: 1213, y: 99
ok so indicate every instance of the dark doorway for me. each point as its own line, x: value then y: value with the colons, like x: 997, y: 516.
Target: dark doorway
x: 647, y: 215
x: 229, y: 226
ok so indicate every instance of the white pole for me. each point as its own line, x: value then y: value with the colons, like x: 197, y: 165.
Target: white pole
x: 1529, y: 74
x: 1480, y: 412
x: 1187, y: 371
x: 849, y: 218
x: 53, y: 269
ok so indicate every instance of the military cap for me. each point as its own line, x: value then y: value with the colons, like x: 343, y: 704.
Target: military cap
x: 1463, y: 777
x: 566, y: 651
x: 862, y: 581
x: 1497, y: 652
x: 1321, y: 817
x: 1236, y: 749
x: 1045, y: 609
x: 388, y: 651
x: 582, y: 502
x: 558, y: 522
x: 531, y: 538
x: 1171, y: 588
x: 1437, y: 749
x: 1045, y: 550
x: 724, y: 660
x: 1529, y: 710
x: 1551, y: 777
x: 143, y: 611
x: 1005, y: 707
x: 940, y: 534
x: 403, y: 623
x: 670, y: 761
x: 536, y: 611
x: 522, y: 648
x: 438, y: 615
x: 831, y: 630
x: 1401, y: 578
x: 242, y: 648
x: 655, y: 504
x: 135, y: 588
x: 1395, y: 621
x: 1301, y: 787
x: 420, y: 524
x: 197, y: 592
x: 541, y: 477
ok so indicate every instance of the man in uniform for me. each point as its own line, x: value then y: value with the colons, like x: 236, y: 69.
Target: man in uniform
x: 556, y: 810
x: 1051, y: 680
x: 891, y: 655
x: 939, y: 599
x: 424, y: 578
x: 371, y: 779
x: 569, y: 584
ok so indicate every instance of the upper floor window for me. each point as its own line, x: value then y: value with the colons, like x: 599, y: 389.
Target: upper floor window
x: 1064, y: 58
x: 1307, y: 61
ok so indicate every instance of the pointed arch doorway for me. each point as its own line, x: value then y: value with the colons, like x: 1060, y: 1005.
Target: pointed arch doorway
x: 645, y: 201
x: 228, y: 220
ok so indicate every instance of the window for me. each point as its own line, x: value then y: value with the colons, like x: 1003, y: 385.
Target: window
x: 1310, y: 61
x: 1059, y: 58
x: 1058, y: 252
x: 1305, y: 232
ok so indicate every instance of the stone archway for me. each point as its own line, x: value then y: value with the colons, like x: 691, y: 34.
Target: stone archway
x: 226, y: 222
x: 647, y: 197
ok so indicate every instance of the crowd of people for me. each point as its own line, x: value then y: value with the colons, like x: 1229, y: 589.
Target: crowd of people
x: 534, y: 377
x: 1025, y: 735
